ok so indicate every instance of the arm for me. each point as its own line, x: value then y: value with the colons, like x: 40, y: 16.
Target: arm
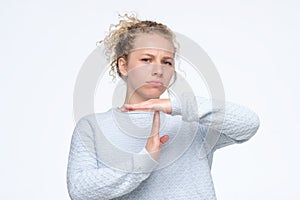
x: 232, y: 123
x: 227, y: 122
x: 87, y: 180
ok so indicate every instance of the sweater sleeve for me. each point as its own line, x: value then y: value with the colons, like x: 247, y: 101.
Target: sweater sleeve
x: 230, y: 123
x: 89, y: 179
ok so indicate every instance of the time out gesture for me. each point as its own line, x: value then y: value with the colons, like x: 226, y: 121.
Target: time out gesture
x: 154, y: 142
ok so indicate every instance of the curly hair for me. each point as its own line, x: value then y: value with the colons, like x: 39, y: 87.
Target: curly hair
x: 121, y: 36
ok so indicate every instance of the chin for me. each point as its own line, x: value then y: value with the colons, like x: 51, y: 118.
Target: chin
x: 152, y: 95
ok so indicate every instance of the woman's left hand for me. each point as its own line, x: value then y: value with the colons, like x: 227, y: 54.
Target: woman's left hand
x: 163, y: 105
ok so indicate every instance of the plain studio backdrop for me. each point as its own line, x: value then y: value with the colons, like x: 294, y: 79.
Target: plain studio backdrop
x: 254, y: 45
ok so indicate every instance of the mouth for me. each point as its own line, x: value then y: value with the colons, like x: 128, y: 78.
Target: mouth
x: 155, y: 83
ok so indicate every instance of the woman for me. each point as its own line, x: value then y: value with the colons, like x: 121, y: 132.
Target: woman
x: 143, y: 56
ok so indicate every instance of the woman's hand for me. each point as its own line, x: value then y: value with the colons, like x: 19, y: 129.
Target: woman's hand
x: 163, y: 105
x: 155, y: 142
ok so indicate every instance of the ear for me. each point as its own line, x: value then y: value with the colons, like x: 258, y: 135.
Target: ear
x: 122, y: 66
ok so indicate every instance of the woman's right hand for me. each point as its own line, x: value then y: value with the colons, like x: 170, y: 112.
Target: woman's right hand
x: 155, y: 142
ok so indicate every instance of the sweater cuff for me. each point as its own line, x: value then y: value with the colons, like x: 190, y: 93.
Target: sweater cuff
x: 185, y: 105
x: 143, y: 162
x: 175, y: 104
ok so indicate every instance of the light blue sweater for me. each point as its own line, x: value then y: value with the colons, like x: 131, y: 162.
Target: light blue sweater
x: 183, y: 168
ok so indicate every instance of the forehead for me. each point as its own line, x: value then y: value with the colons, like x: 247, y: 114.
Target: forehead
x: 153, y: 42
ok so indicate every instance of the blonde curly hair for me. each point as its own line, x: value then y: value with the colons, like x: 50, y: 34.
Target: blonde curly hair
x: 121, y: 36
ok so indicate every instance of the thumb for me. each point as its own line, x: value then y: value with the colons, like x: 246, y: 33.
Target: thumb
x: 164, y: 139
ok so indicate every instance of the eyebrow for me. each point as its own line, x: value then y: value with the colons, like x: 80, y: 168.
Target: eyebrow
x: 151, y: 55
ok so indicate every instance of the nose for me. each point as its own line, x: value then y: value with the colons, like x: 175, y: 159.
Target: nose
x: 157, y: 69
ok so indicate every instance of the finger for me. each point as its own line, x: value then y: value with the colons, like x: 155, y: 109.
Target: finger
x: 156, y: 124
x: 164, y: 139
x: 123, y: 109
x: 141, y: 107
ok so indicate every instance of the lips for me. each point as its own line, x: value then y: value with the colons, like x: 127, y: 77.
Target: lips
x: 155, y: 83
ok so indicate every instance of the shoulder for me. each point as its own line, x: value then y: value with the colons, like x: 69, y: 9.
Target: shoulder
x: 93, y: 119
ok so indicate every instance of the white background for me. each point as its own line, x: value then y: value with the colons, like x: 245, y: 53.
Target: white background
x: 254, y: 45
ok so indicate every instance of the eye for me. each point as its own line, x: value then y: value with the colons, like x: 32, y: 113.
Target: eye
x: 167, y: 63
x: 146, y: 60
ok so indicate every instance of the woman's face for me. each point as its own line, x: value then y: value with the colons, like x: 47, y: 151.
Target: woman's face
x: 149, y: 67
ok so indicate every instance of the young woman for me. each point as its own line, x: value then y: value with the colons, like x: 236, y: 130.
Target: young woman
x: 156, y: 162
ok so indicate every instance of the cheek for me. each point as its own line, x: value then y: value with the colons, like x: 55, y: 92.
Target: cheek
x: 138, y: 75
x: 168, y: 74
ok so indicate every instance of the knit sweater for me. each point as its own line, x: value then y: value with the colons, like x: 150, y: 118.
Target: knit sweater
x: 184, y: 172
